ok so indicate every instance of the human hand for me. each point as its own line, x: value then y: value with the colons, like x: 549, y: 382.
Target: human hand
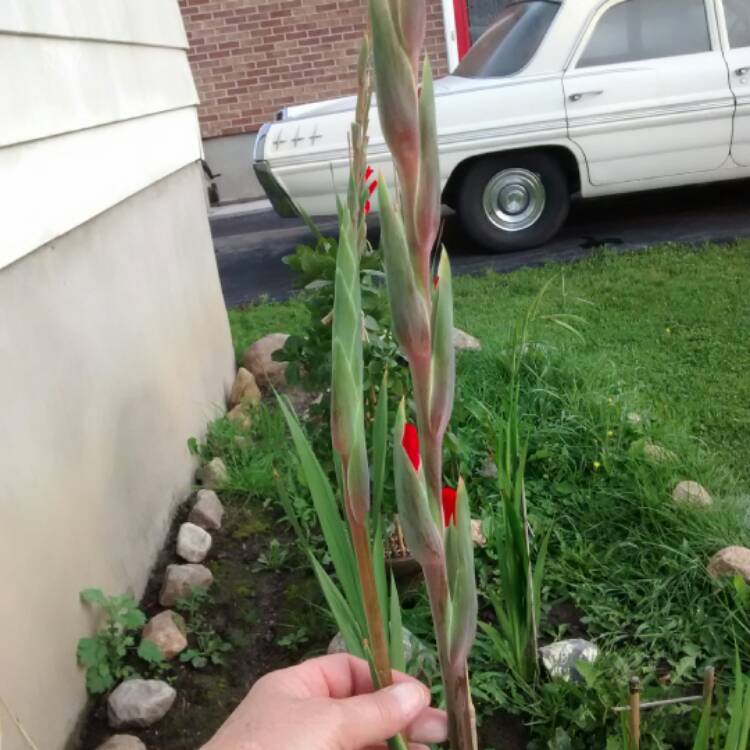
x: 329, y: 704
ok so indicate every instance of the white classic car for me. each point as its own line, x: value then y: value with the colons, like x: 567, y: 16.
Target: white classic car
x: 557, y: 98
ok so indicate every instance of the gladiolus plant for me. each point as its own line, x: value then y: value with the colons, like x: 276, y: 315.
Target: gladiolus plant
x: 436, y: 520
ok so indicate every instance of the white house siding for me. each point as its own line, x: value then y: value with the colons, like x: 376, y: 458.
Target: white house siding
x: 114, y: 342
x: 97, y: 102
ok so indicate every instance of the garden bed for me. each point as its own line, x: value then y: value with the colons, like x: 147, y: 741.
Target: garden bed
x: 661, y: 359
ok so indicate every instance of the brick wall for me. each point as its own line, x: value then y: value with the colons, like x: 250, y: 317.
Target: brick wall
x: 252, y: 57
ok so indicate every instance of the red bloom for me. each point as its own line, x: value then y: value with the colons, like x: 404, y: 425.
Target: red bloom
x: 373, y: 186
x: 410, y: 443
x: 369, y: 173
x: 367, y: 207
x: 449, y: 506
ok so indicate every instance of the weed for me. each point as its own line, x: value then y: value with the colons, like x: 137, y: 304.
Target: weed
x: 208, y: 647
x: 108, y: 655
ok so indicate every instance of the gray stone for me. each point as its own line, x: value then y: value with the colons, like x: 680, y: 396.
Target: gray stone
x: 167, y: 631
x: 477, y: 535
x: 180, y: 580
x: 731, y: 561
x: 691, y: 493
x: 412, y: 645
x: 658, y: 454
x: 139, y: 703
x: 488, y: 470
x: 241, y: 417
x: 259, y: 360
x: 122, y: 742
x: 560, y: 658
x: 244, y: 390
x: 213, y: 475
x: 465, y: 341
x: 193, y: 543
x: 208, y: 512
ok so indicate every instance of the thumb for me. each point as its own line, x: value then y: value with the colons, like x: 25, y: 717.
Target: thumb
x: 376, y: 717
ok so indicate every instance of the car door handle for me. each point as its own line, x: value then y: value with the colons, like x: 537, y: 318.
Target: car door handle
x: 742, y: 71
x: 581, y: 94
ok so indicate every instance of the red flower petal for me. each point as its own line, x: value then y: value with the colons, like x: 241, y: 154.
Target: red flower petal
x: 369, y: 173
x: 449, y: 506
x: 373, y: 186
x: 435, y: 281
x: 367, y: 207
x: 410, y: 443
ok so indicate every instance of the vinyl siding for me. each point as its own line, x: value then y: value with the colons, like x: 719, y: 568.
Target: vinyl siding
x: 98, y: 103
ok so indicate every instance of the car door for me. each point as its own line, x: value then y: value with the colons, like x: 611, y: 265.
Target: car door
x: 736, y: 30
x: 646, y: 91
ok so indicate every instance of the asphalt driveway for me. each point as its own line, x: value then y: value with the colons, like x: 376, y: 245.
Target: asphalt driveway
x: 250, y: 247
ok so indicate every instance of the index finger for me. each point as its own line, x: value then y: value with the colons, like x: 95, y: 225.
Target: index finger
x: 339, y: 676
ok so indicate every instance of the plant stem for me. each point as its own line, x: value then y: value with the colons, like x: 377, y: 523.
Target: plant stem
x: 461, y: 714
x: 375, y: 627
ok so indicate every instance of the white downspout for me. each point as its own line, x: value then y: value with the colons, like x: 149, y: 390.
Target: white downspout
x: 451, y: 39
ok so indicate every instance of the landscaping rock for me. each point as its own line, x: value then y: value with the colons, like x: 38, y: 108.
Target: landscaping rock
x: 634, y: 418
x: 731, y: 561
x: 122, y: 742
x: 245, y: 390
x: 180, y: 580
x: 488, y: 470
x: 465, y: 342
x: 476, y: 533
x: 167, y: 631
x: 259, y: 360
x: 241, y: 417
x: 208, y: 512
x: 193, y: 543
x: 658, y: 454
x: 560, y: 658
x: 691, y: 493
x: 412, y: 645
x: 139, y: 703
x: 213, y: 475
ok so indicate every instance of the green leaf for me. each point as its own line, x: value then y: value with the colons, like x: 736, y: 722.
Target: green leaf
x: 132, y: 619
x: 396, y: 630
x: 334, y: 529
x: 150, y: 652
x: 93, y: 596
x: 379, y: 448
x: 91, y: 652
x: 379, y: 572
x: 342, y: 613
x: 99, y: 679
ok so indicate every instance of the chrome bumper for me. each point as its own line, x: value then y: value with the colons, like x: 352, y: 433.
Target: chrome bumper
x: 280, y: 199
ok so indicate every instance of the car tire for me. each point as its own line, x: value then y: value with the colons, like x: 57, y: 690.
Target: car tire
x: 513, y: 201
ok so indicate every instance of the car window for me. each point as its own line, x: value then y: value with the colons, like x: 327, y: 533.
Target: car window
x: 737, y: 13
x: 512, y: 40
x: 647, y: 30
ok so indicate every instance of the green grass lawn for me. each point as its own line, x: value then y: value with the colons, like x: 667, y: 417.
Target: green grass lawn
x: 663, y: 333
x: 670, y: 325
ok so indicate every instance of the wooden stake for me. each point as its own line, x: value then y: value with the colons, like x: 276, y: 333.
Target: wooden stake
x: 635, y: 712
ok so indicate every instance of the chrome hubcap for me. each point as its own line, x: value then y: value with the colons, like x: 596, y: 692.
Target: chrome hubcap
x: 514, y: 199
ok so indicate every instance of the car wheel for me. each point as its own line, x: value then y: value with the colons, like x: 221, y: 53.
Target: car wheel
x: 514, y: 201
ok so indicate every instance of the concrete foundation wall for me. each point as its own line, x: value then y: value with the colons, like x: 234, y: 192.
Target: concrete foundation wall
x: 115, y: 350
x: 232, y: 157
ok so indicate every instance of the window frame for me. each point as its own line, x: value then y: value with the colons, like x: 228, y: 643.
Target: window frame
x: 726, y: 42
x: 592, y: 22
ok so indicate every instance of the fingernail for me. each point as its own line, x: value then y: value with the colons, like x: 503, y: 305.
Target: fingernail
x: 411, y: 697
